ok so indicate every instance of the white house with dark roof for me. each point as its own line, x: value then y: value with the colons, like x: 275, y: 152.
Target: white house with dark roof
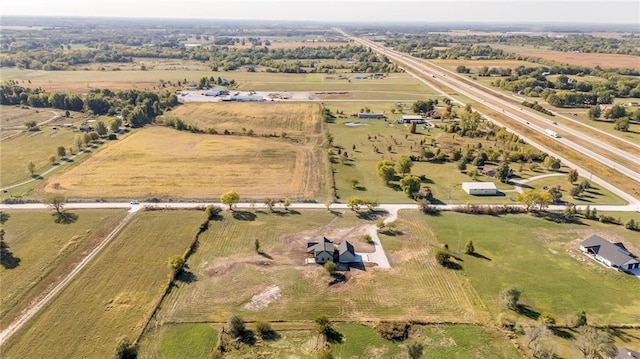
x: 326, y: 251
x: 613, y: 255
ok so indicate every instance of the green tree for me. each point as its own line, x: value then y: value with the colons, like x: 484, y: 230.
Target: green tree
x: 594, y: 112
x: 31, y: 125
x: 410, y: 185
x: 404, y: 165
x: 286, y: 203
x: 533, y: 198
x: 175, y: 263
x: 52, y: 159
x: 581, y: 319
x: 115, y: 125
x: 101, y: 128
x: 386, y: 170
x: 354, y: 203
x: 630, y: 224
x: 552, y: 163
x: 573, y: 175
x: 236, y: 326
x: 509, y: 297
x: 62, y: 151
x: 615, y: 111
x: 125, y: 349
x: 31, y: 167
x: 621, y: 124
x: 263, y: 329
x: 442, y: 257
x: 415, y: 350
x: 502, y: 172
x: 469, y: 248
x: 230, y: 199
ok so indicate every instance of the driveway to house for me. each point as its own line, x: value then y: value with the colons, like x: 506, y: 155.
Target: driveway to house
x: 519, y: 184
x: 379, y: 256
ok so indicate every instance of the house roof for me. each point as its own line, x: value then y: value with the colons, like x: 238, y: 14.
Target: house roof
x: 316, y: 247
x: 624, y: 353
x: 345, y: 247
x: 479, y: 185
x: 613, y: 252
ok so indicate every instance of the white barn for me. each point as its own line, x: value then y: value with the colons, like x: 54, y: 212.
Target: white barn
x: 480, y: 188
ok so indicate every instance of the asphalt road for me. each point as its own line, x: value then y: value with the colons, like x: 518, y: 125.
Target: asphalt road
x: 418, y: 69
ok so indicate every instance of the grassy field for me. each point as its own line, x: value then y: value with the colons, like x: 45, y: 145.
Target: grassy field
x: 595, y: 194
x: 46, y: 251
x: 113, y: 295
x: 13, y: 118
x: 545, y: 264
x: 162, y: 162
x: 228, y: 274
x: 36, y: 146
x: 299, y: 120
x: 444, y: 179
x: 360, y: 341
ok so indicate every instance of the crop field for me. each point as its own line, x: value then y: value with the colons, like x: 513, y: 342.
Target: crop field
x: 439, y: 341
x: 298, y: 120
x: 45, y: 251
x: 545, y: 264
x: 229, y: 275
x: 166, y: 163
x: 113, y: 295
x: 36, y: 146
x: 606, y: 61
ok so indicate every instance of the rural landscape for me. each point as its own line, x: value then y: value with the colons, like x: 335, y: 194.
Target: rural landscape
x: 207, y: 189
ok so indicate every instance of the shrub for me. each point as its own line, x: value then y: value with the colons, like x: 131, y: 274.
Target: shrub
x: 263, y: 328
x: 392, y: 330
x: 631, y: 225
x: 330, y: 267
x: 236, y: 326
x: 547, y: 319
x: 442, y: 257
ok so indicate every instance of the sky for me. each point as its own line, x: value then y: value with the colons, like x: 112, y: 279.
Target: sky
x: 501, y: 11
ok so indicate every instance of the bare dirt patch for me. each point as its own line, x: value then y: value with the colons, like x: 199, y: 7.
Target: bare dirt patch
x: 262, y: 300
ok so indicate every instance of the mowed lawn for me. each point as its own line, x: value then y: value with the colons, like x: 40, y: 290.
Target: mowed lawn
x: 166, y: 163
x: 45, y: 251
x: 297, y: 120
x: 543, y: 260
x: 359, y: 341
x: 229, y: 273
x: 113, y: 295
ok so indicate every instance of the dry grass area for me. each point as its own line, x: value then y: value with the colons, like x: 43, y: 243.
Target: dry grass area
x: 229, y: 274
x: 12, y: 118
x: 162, y: 162
x: 298, y: 120
x: 583, y: 59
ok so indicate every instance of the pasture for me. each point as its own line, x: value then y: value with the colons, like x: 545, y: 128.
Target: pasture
x: 45, y: 251
x: 226, y: 273
x: 297, y: 341
x: 166, y: 163
x: 113, y: 295
x: 545, y: 264
x: 12, y: 118
x: 36, y: 146
x: 298, y: 120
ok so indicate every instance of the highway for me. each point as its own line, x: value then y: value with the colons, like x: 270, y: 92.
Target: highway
x: 420, y: 70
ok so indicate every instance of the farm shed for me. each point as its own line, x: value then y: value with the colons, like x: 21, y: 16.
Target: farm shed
x: 613, y: 255
x: 371, y: 115
x: 480, y: 188
x: 412, y: 118
x: 216, y: 92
